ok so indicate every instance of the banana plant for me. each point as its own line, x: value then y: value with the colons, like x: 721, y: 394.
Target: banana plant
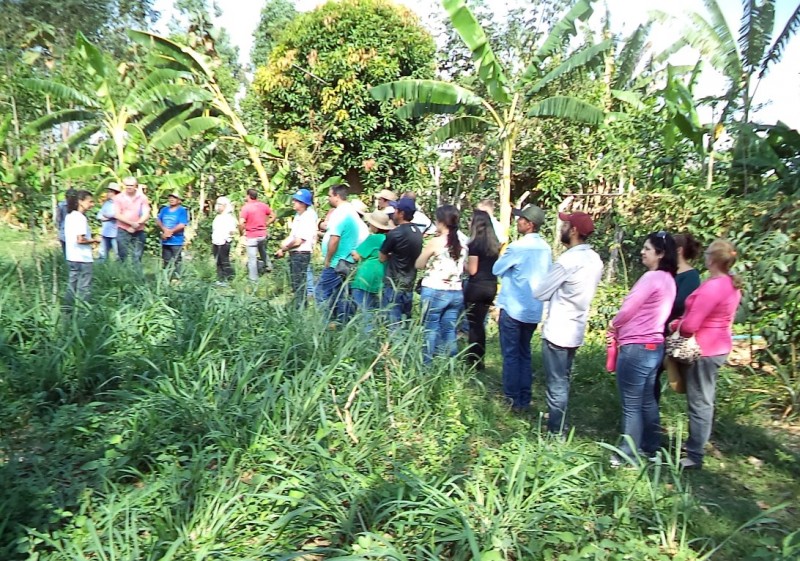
x: 164, y: 106
x: 170, y: 55
x: 501, y: 111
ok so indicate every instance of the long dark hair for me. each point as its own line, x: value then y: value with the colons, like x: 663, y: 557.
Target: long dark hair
x: 448, y: 215
x: 691, y: 247
x: 74, y: 196
x: 482, y: 238
x: 664, y: 244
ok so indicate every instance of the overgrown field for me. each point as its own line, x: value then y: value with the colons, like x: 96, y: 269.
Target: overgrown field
x: 184, y: 421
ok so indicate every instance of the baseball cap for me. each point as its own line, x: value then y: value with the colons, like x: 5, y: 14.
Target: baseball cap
x: 176, y: 195
x: 304, y: 196
x: 580, y: 221
x: 386, y: 194
x: 531, y: 213
x: 406, y: 205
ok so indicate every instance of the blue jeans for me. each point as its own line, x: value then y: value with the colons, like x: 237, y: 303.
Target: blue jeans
x: 636, y: 377
x: 130, y: 245
x: 330, y: 291
x: 557, y: 372
x: 515, y: 346
x: 398, y: 304
x: 440, y: 312
x: 365, y: 303
x: 106, y: 247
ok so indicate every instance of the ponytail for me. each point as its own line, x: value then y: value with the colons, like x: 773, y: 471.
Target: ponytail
x: 448, y: 215
x: 454, y: 243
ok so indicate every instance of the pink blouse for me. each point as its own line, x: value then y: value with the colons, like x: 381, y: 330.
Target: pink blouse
x: 645, y: 309
x: 709, y: 315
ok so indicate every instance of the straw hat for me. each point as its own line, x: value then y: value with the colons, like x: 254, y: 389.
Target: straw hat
x: 360, y: 207
x: 379, y: 219
x: 386, y: 194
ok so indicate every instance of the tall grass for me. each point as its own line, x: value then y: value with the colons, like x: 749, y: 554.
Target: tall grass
x: 185, y: 422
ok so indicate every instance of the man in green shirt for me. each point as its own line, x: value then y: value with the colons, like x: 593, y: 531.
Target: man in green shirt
x: 368, y: 280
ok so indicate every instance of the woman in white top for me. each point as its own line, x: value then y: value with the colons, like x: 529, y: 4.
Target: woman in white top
x: 442, y: 297
x: 78, y: 242
x: 222, y: 230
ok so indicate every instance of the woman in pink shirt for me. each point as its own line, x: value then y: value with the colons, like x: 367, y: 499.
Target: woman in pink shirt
x: 708, y: 315
x: 638, y: 329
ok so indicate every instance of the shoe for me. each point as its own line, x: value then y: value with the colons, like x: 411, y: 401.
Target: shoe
x: 618, y: 462
x: 688, y: 463
x: 220, y: 283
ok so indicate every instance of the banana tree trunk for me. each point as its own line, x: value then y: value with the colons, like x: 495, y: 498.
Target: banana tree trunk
x: 505, y: 183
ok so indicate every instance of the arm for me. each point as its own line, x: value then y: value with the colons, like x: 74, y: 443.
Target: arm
x: 333, y: 245
x: 427, y: 252
x: 472, y: 265
x: 271, y: 217
x: 507, y: 261
x: 698, y: 306
x: 355, y: 255
x: 554, y: 279
x: 241, y: 223
x: 145, y: 214
x: 638, y: 295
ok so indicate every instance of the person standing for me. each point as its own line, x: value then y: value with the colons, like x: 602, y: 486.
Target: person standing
x: 384, y: 201
x: 521, y: 270
x: 254, y: 219
x: 108, y: 229
x: 638, y: 329
x: 709, y: 315
x: 442, y: 295
x: 368, y: 279
x: 61, y: 215
x: 222, y: 229
x: 78, y: 246
x: 132, y: 211
x: 569, y: 287
x: 172, y: 220
x: 487, y: 205
x: 345, y: 232
x: 300, y: 243
x: 399, y: 251
x: 479, y: 293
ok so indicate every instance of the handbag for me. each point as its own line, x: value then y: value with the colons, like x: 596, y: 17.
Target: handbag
x: 677, y: 381
x: 344, y: 268
x: 682, y: 349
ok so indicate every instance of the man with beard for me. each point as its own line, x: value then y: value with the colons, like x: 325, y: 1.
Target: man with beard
x: 569, y: 287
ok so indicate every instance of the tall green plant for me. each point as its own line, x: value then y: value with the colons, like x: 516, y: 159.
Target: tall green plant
x: 501, y: 110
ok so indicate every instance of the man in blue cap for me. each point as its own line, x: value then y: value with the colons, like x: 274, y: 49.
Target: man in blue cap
x: 399, y: 251
x: 300, y: 243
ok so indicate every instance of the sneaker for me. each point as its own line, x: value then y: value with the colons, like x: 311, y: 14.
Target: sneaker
x: 616, y: 462
x: 220, y: 283
x: 688, y: 463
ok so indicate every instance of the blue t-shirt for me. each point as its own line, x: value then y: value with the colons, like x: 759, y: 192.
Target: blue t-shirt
x: 171, y: 218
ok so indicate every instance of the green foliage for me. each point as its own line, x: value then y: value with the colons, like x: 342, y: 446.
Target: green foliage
x: 276, y: 15
x: 315, y: 91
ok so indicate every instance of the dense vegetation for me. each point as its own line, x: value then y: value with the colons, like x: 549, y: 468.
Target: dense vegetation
x: 184, y: 422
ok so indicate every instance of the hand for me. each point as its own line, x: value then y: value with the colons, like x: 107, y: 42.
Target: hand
x: 135, y: 225
x: 97, y: 239
x: 279, y: 254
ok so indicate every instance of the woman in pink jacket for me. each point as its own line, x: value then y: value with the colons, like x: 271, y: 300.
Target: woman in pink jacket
x: 638, y: 329
x: 708, y: 316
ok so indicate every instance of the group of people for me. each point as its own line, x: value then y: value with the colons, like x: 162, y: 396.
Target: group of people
x: 371, y: 262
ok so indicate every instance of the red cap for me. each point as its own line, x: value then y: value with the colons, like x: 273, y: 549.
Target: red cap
x: 580, y: 221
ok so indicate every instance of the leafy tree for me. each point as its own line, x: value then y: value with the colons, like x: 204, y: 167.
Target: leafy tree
x: 276, y: 15
x: 315, y: 89
x: 501, y: 109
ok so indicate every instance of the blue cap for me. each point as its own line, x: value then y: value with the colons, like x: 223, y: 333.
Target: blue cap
x: 304, y: 196
x: 407, y: 206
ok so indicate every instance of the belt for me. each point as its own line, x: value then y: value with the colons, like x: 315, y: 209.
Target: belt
x: 300, y: 252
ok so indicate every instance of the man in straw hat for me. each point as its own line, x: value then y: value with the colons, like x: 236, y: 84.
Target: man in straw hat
x: 367, y: 282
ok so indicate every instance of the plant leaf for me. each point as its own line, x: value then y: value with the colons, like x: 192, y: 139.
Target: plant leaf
x: 564, y: 107
x: 176, y: 131
x: 564, y: 29
x: 459, y: 126
x: 46, y: 122
x: 775, y: 52
x: 576, y: 60
x: 59, y: 91
x: 430, y: 94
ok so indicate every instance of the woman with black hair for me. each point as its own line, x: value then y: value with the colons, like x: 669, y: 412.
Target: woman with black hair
x: 638, y: 329
x: 484, y: 249
x: 442, y: 297
x: 78, y: 246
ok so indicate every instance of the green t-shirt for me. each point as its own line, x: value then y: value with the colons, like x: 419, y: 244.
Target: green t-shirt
x: 369, y: 274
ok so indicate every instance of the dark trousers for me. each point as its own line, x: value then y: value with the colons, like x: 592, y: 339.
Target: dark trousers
x: 130, y: 245
x: 79, y: 283
x: 298, y: 274
x: 171, y: 256
x: 515, y: 346
x: 478, y: 298
x: 222, y: 257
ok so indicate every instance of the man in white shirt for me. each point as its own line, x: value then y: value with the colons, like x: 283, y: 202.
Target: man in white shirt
x: 569, y: 287
x: 300, y: 243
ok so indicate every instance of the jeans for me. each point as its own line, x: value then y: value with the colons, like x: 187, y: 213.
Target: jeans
x: 515, y: 346
x: 79, y: 283
x: 222, y: 257
x: 298, y: 275
x: 365, y: 303
x: 171, y: 257
x: 398, y: 304
x: 310, y: 281
x: 701, y: 387
x: 440, y: 312
x: 478, y: 298
x: 331, y: 292
x: 557, y: 372
x: 637, y: 365
x: 130, y: 245
x: 256, y: 250
x: 106, y: 247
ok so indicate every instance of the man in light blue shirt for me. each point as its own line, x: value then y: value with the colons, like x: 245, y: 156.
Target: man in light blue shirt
x: 109, y: 223
x: 520, y: 270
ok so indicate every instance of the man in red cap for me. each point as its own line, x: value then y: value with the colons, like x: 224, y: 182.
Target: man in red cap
x: 569, y: 287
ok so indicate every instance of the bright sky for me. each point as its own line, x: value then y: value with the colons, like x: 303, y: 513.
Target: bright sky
x: 779, y: 92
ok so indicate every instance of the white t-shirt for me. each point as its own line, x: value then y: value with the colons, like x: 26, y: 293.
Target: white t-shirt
x: 304, y: 227
x: 75, y: 224
x: 222, y: 228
